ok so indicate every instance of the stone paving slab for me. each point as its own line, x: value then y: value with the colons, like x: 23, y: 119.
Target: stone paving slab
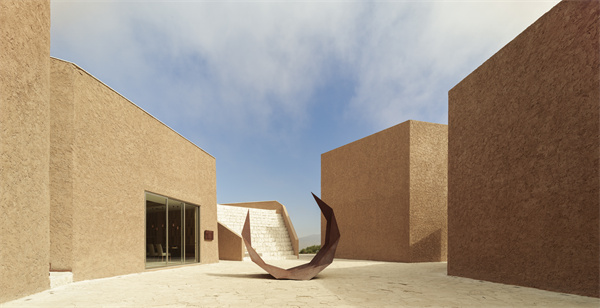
x: 345, y: 283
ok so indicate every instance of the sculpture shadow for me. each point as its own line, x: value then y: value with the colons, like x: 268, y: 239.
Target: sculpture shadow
x: 250, y: 276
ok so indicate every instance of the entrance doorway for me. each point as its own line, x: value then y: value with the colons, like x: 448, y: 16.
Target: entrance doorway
x: 171, y: 231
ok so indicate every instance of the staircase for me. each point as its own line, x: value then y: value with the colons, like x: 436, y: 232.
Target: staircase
x: 268, y: 233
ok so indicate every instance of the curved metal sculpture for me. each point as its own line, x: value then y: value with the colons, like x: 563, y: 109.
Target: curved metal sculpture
x: 305, y: 271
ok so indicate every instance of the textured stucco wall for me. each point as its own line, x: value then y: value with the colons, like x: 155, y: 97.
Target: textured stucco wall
x: 24, y: 147
x: 61, y: 165
x: 118, y: 152
x: 428, y: 191
x: 366, y: 183
x: 389, y: 194
x: 231, y: 245
x: 523, y: 200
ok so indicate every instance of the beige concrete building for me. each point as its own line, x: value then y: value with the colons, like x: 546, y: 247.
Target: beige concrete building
x: 24, y: 147
x: 523, y: 161
x: 122, y: 184
x: 388, y: 192
x: 89, y: 182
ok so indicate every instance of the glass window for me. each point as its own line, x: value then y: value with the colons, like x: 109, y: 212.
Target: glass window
x: 175, y: 230
x: 191, y: 229
x: 171, y: 231
x: 156, y: 231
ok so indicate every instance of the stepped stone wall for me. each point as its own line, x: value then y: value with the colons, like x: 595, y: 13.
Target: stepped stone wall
x: 269, y: 234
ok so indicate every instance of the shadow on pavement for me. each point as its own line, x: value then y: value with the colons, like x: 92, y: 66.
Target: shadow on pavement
x: 252, y: 276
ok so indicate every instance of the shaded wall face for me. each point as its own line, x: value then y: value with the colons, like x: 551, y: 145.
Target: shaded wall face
x: 24, y: 147
x: 366, y: 183
x: 117, y: 153
x: 428, y: 191
x: 61, y: 165
x: 523, y: 158
x: 231, y: 246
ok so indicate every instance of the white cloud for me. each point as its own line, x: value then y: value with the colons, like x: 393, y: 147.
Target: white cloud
x: 416, y: 51
x: 245, y: 64
x: 265, y: 58
x: 94, y: 32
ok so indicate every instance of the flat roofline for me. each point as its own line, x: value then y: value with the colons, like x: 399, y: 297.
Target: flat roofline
x: 140, y: 108
x: 383, y: 130
x: 527, y: 29
x: 249, y: 202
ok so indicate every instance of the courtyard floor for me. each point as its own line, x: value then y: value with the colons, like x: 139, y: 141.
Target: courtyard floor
x: 345, y: 283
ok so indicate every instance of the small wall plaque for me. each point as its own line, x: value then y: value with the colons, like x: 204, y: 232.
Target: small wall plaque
x: 209, y: 235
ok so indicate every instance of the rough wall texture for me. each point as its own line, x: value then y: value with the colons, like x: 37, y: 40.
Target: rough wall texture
x: 428, y: 191
x: 118, y: 152
x: 61, y: 165
x: 24, y: 147
x: 231, y: 245
x: 388, y: 192
x: 523, y: 173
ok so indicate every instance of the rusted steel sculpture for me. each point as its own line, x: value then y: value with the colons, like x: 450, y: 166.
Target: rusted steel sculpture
x: 305, y: 271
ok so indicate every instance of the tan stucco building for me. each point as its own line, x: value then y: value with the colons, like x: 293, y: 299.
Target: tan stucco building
x: 388, y: 192
x: 24, y: 147
x: 523, y: 161
x: 105, y: 154
x: 89, y: 182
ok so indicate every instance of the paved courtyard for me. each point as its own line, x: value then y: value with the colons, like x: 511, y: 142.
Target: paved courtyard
x: 345, y: 283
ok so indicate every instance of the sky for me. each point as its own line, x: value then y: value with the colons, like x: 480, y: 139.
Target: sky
x: 266, y: 87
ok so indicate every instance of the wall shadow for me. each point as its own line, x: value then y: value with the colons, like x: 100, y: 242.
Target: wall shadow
x: 428, y: 249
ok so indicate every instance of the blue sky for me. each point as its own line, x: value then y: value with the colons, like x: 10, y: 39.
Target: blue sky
x: 268, y: 86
